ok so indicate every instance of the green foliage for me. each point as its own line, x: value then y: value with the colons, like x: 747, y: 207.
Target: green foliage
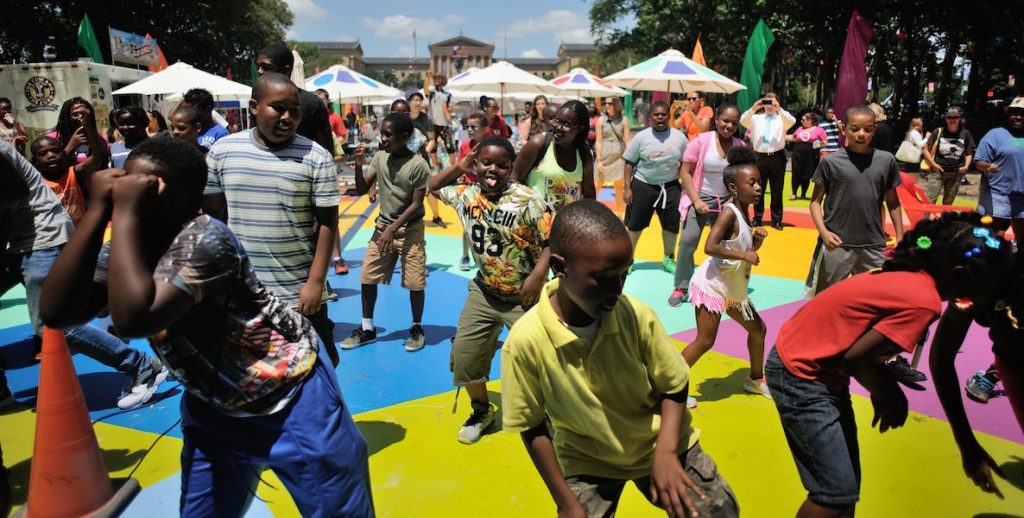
x: 803, y: 63
x: 311, y: 57
x: 210, y: 34
x: 414, y: 80
x: 387, y: 77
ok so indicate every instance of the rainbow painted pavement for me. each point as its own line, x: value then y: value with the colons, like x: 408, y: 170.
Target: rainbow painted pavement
x: 402, y: 402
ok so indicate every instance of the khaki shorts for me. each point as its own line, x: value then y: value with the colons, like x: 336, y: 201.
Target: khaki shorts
x: 476, y: 340
x: 410, y: 245
x: 830, y: 267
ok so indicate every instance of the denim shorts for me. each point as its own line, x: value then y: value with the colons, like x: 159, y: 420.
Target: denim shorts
x: 821, y: 433
x: 1009, y: 206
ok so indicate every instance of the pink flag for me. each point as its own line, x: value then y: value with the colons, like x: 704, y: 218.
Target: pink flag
x: 852, y: 83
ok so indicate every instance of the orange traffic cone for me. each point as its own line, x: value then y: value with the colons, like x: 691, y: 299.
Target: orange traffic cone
x: 68, y: 475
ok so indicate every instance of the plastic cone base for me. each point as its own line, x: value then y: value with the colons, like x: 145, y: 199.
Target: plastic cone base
x: 68, y: 476
x: 125, y: 490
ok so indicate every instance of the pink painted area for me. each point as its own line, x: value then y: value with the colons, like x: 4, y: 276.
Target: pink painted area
x: 994, y: 418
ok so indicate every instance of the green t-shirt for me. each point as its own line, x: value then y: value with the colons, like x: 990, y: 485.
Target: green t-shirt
x: 397, y: 179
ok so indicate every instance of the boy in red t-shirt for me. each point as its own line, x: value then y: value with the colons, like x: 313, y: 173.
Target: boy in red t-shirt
x: 850, y: 330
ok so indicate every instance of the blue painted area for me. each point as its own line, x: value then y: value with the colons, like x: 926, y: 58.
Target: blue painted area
x: 161, y: 501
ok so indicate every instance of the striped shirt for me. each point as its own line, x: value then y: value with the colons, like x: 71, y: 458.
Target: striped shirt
x: 832, y: 132
x: 271, y: 196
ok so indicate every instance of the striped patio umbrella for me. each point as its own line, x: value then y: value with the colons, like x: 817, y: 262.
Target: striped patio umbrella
x: 344, y: 84
x: 581, y: 83
x: 673, y: 72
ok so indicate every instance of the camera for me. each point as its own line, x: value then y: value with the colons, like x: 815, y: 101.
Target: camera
x: 766, y: 102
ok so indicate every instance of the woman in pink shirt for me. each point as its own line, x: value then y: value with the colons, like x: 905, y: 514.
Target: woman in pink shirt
x: 807, y: 139
x: 704, y: 192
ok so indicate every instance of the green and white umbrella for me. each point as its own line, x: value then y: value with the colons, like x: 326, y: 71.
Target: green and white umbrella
x: 673, y: 72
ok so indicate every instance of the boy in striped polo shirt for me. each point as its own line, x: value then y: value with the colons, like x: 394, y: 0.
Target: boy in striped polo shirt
x: 278, y: 192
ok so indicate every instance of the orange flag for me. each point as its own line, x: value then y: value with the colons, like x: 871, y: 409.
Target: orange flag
x: 160, y: 54
x: 698, y: 54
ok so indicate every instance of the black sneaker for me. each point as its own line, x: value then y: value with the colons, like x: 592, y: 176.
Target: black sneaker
x: 904, y: 373
x: 416, y: 339
x: 359, y: 338
x: 440, y: 223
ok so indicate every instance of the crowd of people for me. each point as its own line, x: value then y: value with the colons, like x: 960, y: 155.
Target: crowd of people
x: 221, y: 242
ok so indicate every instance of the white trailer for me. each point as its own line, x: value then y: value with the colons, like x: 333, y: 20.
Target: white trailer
x: 37, y: 90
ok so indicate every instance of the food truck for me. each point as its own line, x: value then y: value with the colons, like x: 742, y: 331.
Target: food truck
x: 37, y: 90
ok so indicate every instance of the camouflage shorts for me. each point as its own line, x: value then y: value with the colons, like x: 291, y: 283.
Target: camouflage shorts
x: 600, y: 496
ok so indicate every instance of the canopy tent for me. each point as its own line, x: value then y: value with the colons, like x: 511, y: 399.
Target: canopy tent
x: 182, y: 77
x: 581, y: 83
x: 344, y: 84
x: 673, y: 72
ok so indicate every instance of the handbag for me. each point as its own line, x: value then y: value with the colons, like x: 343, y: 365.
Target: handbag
x: 925, y: 166
x: 908, y: 153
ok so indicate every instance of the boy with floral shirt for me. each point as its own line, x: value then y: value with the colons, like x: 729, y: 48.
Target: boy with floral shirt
x: 507, y: 224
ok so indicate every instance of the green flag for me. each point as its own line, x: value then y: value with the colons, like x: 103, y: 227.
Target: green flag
x: 254, y: 74
x: 87, y: 40
x: 753, y: 65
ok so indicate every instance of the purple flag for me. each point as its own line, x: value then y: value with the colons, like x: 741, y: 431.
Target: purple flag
x: 852, y: 84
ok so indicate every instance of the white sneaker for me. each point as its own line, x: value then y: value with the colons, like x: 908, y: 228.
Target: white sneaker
x: 479, y: 421
x: 758, y: 387
x: 691, y: 402
x: 143, y: 386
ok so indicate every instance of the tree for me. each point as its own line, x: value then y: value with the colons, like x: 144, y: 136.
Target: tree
x: 385, y: 76
x: 312, y: 58
x: 916, y: 42
x: 414, y: 80
x: 209, y: 35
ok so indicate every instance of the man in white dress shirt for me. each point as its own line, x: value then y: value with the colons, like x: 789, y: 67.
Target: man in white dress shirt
x: 767, y: 124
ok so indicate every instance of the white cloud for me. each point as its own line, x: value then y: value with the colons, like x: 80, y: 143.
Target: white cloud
x: 532, y: 53
x: 564, y: 25
x: 401, y: 26
x: 306, y: 10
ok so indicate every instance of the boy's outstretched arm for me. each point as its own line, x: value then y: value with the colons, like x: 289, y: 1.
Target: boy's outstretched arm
x: 139, y: 305
x: 670, y: 485
x: 542, y: 453
x: 70, y: 295
x: 865, y: 360
x: 452, y: 174
x: 949, y: 337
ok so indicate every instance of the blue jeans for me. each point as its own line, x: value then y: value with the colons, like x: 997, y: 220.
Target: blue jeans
x: 821, y: 432
x: 87, y: 339
x: 312, y: 444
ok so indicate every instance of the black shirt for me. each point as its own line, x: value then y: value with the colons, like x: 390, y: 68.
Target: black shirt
x: 314, y: 116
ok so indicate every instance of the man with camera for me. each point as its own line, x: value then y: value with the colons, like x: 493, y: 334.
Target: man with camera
x: 767, y: 124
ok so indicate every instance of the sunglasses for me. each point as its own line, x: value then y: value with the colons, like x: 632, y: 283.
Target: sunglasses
x: 472, y: 126
x: 692, y: 98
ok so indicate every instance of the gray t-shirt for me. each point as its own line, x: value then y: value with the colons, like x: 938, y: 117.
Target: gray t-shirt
x: 855, y: 186
x: 39, y: 221
x: 656, y: 156
x: 397, y: 179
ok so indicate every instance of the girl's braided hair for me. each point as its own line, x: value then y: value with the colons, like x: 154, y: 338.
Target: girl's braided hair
x: 956, y: 239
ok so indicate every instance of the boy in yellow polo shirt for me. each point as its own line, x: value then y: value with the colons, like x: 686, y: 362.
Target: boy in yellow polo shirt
x: 599, y: 365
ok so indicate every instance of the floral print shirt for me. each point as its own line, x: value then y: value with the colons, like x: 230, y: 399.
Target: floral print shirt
x: 507, y: 231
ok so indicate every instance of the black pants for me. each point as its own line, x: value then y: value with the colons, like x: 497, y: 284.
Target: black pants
x: 773, y: 177
x: 324, y: 327
x: 805, y: 161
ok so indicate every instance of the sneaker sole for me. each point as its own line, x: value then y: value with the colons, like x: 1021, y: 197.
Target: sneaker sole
x: 676, y: 304
x: 414, y: 349
x: 346, y: 347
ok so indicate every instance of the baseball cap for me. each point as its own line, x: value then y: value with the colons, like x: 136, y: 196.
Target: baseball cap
x: 411, y: 92
x: 1017, y: 102
x: 954, y: 111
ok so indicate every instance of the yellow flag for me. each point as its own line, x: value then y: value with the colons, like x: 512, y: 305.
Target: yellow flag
x: 698, y: 54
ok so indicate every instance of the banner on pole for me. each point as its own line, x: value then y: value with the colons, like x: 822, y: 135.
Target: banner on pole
x: 134, y: 49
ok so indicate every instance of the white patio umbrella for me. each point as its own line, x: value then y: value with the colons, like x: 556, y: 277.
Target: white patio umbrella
x: 344, y: 84
x: 671, y: 71
x: 182, y: 77
x: 500, y: 79
x: 581, y: 83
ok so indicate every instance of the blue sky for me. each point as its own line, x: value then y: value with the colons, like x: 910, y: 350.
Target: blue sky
x: 384, y: 27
